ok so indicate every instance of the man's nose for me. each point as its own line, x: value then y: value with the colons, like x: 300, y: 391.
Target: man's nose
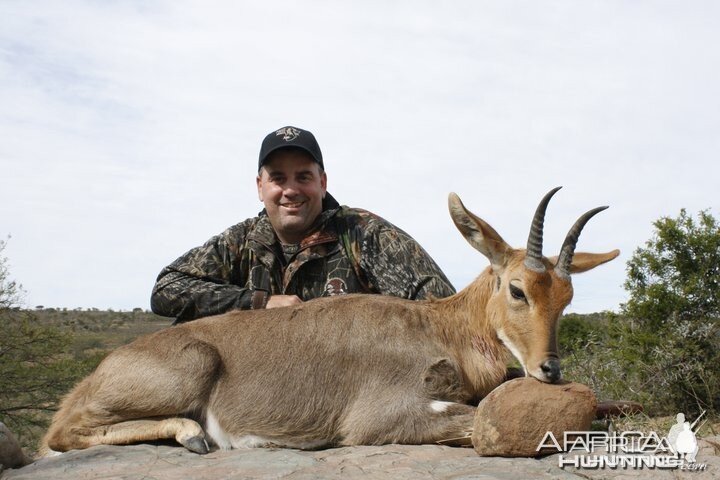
x: 290, y: 189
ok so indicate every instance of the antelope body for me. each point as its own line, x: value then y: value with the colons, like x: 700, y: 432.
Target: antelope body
x: 345, y: 370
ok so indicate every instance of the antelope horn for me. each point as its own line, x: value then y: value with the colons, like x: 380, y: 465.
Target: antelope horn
x: 562, y: 267
x: 533, y: 257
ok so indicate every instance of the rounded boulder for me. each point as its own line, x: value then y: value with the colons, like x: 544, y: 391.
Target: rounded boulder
x: 513, y: 420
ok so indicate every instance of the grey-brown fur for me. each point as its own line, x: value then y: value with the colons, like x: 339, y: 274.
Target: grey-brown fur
x: 323, y: 370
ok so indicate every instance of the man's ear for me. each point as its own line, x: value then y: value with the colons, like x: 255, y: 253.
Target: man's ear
x: 323, y: 183
x: 258, y: 182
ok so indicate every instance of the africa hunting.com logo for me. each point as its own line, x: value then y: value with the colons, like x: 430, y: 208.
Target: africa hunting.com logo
x: 628, y: 450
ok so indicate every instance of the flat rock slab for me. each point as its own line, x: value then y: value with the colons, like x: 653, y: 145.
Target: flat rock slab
x: 395, y: 462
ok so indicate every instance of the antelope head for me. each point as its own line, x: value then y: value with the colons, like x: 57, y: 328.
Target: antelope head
x: 529, y: 291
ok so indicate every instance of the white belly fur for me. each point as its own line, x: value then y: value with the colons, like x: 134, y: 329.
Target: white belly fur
x: 226, y: 441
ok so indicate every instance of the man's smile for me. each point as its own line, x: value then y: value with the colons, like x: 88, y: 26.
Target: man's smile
x: 292, y: 205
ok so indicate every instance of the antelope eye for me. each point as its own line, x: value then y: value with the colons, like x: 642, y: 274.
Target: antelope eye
x: 517, y: 293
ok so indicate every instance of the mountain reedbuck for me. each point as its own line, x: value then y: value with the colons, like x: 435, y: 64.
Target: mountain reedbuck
x: 344, y: 370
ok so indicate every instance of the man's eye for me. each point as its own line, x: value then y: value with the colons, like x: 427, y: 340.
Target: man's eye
x: 517, y: 293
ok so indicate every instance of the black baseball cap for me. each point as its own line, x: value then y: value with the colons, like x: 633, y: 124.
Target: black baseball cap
x: 290, y: 137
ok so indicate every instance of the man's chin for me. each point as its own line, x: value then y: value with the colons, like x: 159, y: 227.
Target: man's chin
x: 293, y: 231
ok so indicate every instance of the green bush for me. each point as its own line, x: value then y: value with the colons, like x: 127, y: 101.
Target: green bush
x: 36, y: 365
x: 35, y: 371
x: 664, y: 348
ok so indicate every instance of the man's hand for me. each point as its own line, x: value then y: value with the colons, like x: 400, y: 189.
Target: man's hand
x: 283, y: 301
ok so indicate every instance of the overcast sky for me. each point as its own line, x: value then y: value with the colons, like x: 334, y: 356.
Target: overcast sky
x: 129, y: 131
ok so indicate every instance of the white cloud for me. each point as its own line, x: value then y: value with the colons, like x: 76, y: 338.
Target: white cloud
x: 130, y: 130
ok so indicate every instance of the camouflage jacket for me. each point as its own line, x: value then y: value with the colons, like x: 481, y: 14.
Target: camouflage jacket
x: 351, y: 251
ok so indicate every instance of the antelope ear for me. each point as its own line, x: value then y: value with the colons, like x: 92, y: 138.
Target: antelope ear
x: 478, y: 233
x: 583, y: 261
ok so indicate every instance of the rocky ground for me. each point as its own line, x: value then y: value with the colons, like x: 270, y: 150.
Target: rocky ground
x: 395, y: 462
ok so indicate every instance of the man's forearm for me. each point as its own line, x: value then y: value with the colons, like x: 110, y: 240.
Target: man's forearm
x: 186, y: 297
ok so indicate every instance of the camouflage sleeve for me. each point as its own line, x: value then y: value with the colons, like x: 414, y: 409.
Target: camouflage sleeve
x: 395, y: 264
x: 198, y: 284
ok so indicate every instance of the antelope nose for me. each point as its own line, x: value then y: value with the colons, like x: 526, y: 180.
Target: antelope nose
x: 551, y: 369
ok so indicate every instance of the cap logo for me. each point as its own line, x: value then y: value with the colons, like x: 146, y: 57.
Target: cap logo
x: 289, y: 133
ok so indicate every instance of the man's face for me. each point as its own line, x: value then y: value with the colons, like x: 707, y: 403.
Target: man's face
x: 292, y: 187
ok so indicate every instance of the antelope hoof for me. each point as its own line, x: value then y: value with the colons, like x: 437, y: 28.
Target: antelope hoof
x: 196, y: 444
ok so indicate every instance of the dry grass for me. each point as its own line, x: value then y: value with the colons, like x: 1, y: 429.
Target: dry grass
x: 661, y: 425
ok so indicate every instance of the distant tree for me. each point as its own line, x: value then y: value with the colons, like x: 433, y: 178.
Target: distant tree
x: 35, y: 367
x: 671, y: 336
x: 10, y: 291
x: 677, y: 274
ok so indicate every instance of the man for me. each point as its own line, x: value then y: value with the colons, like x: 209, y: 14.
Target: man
x: 303, y: 245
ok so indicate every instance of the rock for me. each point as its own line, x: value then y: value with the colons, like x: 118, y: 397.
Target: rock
x: 515, y: 417
x: 387, y: 462
x: 11, y: 455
